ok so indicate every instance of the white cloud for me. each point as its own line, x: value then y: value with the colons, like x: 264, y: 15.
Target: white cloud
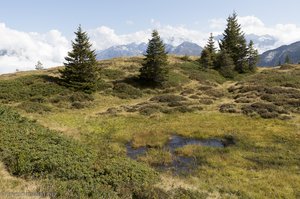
x: 105, y: 37
x: 284, y: 33
x: 21, y: 50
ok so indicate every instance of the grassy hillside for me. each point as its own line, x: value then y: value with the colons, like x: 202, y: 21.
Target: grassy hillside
x: 76, y: 145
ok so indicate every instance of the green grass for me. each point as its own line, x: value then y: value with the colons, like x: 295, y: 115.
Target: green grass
x: 76, y: 151
x: 194, y: 71
x: 265, y: 150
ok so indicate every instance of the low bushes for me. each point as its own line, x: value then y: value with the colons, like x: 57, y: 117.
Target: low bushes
x: 263, y: 109
x: 168, y: 98
x: 68, y: 168
x: 126, y: 91
x: 34, y: 107
x: 228, y: 108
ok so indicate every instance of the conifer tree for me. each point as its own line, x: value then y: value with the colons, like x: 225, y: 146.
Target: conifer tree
x: 287, y: 59
x: 225, y: 64
x: 208, y: 55
x: 154, y: 70
x: 252, y: 56
x: 39, y: 66
x: 235, y: 43
x: 80, y: 66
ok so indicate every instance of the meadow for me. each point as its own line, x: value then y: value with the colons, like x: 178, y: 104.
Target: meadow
x: 74, y: 144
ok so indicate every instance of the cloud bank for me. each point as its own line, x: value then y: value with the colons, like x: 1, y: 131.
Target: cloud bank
x: 21, y: 50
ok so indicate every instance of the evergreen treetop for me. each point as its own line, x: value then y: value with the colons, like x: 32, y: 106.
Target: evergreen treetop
x: 211, y: 44
x: 208, y: 55
x: 252, y: 57
x: 235, y: 43
x: 80, y: 66
x: 154, y: 70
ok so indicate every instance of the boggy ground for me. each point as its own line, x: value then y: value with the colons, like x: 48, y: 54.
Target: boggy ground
x: 257, y: 113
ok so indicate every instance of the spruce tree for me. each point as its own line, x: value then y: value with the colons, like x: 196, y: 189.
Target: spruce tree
x: 208, y: 55
x: 235, y: 43
x: 80, y: 66
x: 287, y: 59
x: 252, y: 57
x: 153, y: 71
x: 225, y: 64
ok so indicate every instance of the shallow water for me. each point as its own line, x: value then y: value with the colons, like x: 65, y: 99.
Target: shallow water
x: 180, y: 163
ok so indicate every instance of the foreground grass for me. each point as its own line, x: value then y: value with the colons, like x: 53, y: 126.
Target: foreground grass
x: 263, y: 163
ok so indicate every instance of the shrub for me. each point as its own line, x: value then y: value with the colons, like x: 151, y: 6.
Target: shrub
x: 185, y: 58
x: 206, y: 101
x: 149, y: 109
x: 34, y: 107
x: 30, y: 87
x: 187, y: 92
x: 194, y: 97
x: 126, y: 91
x: 228, y: 108
x: 243, y: 100
x: 77, y: 105
x: 193, y: 70
x: 101, y: 85
x: 168, y: 98
x: 112, y: 74
x: 184, y: 109
x: 189, y: 194
x: 214, y: 93
x: 67, y: 168
x: 80, y: 97
x: 263, y: 109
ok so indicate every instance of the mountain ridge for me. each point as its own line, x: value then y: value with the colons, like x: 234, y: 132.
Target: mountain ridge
x: 134, y: 49
x: 277, y: 56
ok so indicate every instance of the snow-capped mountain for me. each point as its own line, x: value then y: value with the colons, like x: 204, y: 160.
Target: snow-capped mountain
x: 128, y: 50
x: 133, y: 49
x: 278, y: 55
x: 262, y: 43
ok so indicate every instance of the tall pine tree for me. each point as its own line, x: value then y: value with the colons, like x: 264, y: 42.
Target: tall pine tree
x: 208, y: 55
x: 80, y: 66
x: 235, y: 44
x: 153, y: 71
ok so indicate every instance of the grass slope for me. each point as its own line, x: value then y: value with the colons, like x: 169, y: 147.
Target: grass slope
x: 78, y: 141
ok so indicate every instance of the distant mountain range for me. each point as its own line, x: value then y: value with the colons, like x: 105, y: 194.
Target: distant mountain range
x: 278, y: 55
x: 133, y: 49
x: 263, y: 43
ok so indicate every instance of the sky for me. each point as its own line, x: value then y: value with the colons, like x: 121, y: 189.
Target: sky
x: 34, y: 30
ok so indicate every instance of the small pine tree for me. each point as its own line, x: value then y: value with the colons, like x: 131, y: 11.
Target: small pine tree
x: 80, y: 69
x: 225, y: 64
x: 208, y: 55
x: 39, y: 66
x: 279, y: 63
x: 154, y: 70
x: 235, y: 43
x: 252, y: 57
x: 287, y: 59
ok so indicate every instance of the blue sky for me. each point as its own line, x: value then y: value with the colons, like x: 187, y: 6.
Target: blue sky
x: 65, y: 15
x: 42, y: 30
